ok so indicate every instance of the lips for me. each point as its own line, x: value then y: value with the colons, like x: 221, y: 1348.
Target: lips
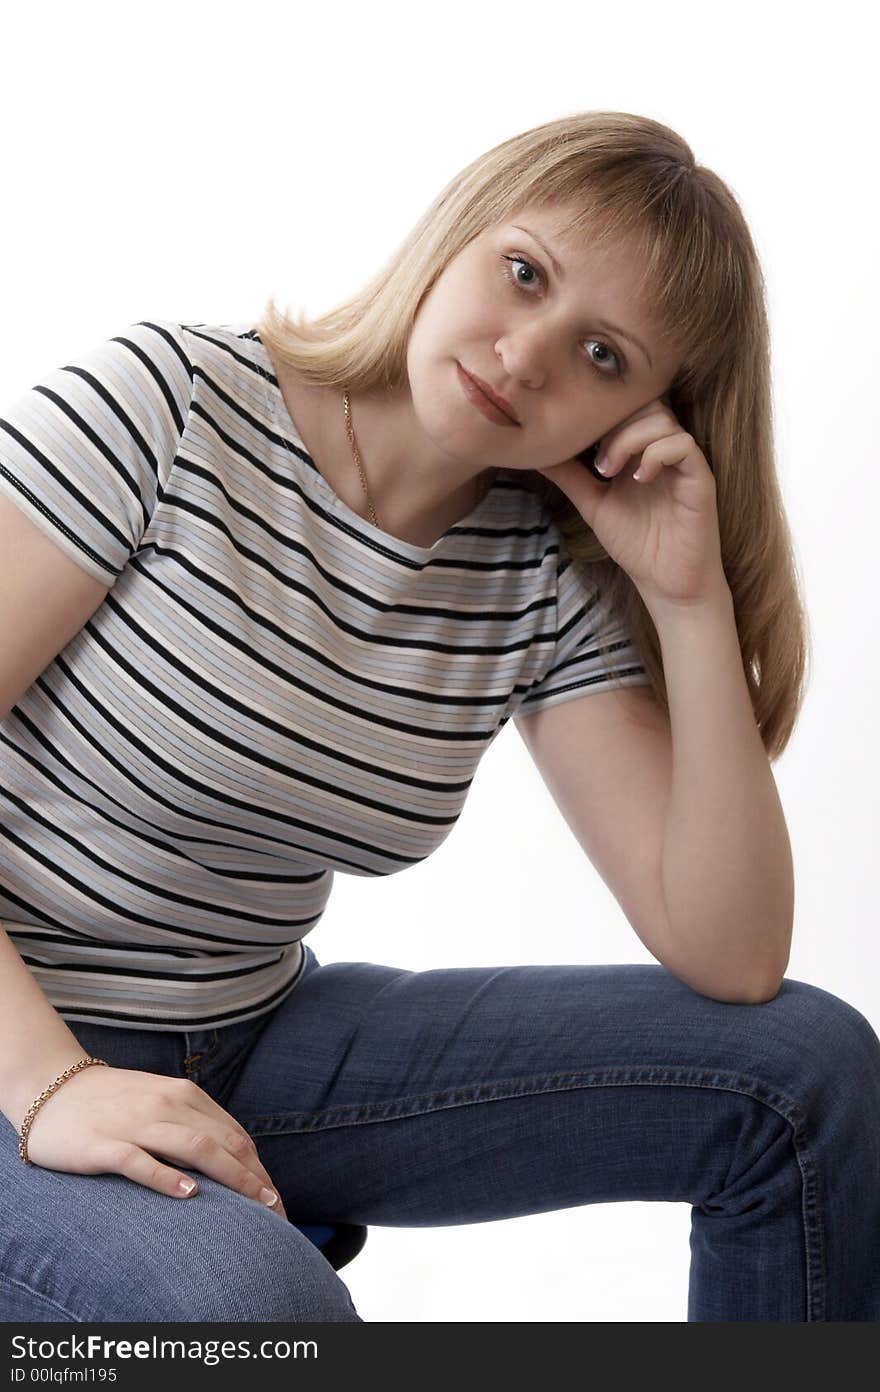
x: 493, y: 396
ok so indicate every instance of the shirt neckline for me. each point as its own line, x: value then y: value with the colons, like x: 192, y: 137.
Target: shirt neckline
x: 374, y: 535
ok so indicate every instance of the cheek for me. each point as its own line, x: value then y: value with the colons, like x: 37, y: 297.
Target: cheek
x: 434, y: 322
x: 468, y: 292
x: 483, y: 299
x: 419, y: 342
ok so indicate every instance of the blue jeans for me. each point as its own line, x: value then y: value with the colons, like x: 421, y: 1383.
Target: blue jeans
x: 383, y: 1096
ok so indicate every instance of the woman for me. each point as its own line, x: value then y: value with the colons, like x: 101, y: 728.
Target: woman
x: 337, y: 571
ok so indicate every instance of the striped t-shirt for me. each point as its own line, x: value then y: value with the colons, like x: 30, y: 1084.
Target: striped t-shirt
x: 273, y: 690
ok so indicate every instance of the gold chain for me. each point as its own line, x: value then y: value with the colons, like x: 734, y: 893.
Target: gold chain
x: 346, y: 406
x: 374, y: 517
x: 32, y: 1110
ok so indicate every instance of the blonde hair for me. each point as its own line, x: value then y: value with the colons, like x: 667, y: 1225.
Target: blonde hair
x: 628, y: 180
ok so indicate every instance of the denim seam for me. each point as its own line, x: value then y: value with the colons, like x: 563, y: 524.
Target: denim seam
x: 205, y: 1056
x: 393, y: 1109
x: 22, y: 1285
x: 551, y: 1082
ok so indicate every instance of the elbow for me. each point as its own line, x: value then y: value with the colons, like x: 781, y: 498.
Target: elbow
x: 741, y: 997
x: 756, y: 991
x: 746, y: 978
x: 748, y: 995
x: 764, y: 993
x: 757, y: 988
x: 769, y: 990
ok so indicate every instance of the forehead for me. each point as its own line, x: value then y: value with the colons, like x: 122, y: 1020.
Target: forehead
x: 574, y: 246
x: 612, y: 272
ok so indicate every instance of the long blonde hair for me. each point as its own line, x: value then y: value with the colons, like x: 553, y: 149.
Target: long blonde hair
x: 629, y: 181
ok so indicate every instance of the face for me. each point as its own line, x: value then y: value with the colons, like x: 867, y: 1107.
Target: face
x: 540, y: 338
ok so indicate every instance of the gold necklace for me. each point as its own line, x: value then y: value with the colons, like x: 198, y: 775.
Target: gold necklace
x: 374, y: 518
x: 346, y: 406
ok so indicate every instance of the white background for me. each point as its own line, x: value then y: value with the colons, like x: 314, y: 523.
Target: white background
x: 187, y: 160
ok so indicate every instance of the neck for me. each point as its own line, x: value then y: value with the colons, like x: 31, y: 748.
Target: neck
x: 418, y: 491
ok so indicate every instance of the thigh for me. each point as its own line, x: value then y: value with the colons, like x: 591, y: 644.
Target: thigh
x: 384, y: 1095
x: 359, y: 1041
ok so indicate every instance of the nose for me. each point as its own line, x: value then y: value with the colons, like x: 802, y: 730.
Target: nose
x: 523, y: 358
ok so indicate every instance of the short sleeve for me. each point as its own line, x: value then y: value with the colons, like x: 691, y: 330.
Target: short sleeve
x: 585, y: 622
x: 87, y: 451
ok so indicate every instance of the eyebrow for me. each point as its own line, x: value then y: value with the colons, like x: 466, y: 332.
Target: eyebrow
x: 602, y: 323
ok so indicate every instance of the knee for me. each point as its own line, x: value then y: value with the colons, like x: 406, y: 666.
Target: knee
x: 224, y: 1259
x: 271, y: 1272
x: 839, y: 1040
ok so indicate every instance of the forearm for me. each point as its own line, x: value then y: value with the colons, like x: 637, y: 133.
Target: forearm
x: 727, y: 871
x: 35, y: 1042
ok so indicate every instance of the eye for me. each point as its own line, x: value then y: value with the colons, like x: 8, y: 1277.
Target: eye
x: 512, y: 278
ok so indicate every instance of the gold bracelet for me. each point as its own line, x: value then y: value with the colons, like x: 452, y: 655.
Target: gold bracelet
x: 53, y: 1087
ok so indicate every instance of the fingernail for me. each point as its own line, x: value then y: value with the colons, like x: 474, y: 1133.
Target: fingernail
x: 268, y: 1198
x: 186, y: 1186
x: 602, y: 464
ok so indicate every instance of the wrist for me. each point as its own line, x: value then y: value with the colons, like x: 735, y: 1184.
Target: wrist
x: 39, y: 1076
x: 47, y: 1094
x: 666, y: 613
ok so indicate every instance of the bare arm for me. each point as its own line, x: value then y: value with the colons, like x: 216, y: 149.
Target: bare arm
x: 45, y: 599
x: 726, y: 863
x: 35, y: 1043
x: 679, y: 812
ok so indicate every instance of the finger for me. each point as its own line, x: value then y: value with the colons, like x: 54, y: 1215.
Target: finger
x: 659, y: 412
x: 149, y: 1170
x: 241, y: 1143
x: 638, y: 440
x: 244, y: 1149
x: 673, y: 452
x: 589, y: 460
x: 201, y: 1150
x: 134, y: 1163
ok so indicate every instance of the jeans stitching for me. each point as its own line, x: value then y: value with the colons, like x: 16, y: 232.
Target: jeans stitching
x: 415, y: 1103
x: 205, y: 1056
x: 22, y: 1285
x: 792, y: 1112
